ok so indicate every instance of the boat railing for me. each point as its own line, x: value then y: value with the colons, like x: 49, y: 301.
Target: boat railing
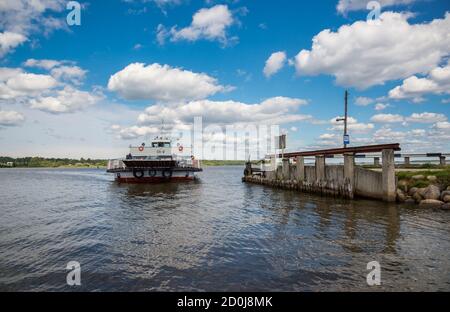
x: 188, y: 162
x: 183, y: 161
x: 116, y: 164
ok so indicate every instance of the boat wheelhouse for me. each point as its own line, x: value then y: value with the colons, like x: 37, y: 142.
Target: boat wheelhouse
x: 158, y: 162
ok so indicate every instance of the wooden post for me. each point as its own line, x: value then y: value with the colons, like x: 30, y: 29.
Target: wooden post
x: 300, y: 168
x: 388, y: 175
x: 442, y: 160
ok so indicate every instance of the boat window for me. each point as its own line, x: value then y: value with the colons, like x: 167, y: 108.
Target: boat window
x: 161, y: 144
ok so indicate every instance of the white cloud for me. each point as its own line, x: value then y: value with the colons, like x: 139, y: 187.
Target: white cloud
x: 45, y: 64
x: 50, y: 93
x: 437, y: 82
x: 161, y: 34
x: 207, y: 23
x: 10, y: 40
x: 352, y: 125
x: 274, y: 63
x: 387, y: 118
x: 60, y: 70
x: 67, y: 100
x: 443, y: 125
x: 418, y: 132
x: 327, y: 136
x: 426, y: 117
x: 73, y: 74
x: 11, y: 118
x: 134, y: 132
x: 385, y: 135
x: 23, y: 16
x: 15, y: 83
x: 162, y: 83
x: 20, y: 18
x: 374, y: 54
x: 345, y: 6
x: 363, y: 101
x: 271, y: 111
x: 381, y: 106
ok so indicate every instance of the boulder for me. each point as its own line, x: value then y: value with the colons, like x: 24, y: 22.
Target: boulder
x: 418, y: 177
x: 446, y: 199
x: 410, y: 201
x: 401, y: 197
x: 445, y: 206
x: 432, y: 192
x: 421, y: 191
x: 448, y: 188
x: 432, y: 178
x: 444, y: 193
x: 417, y: 197
x: 431, y: 203
x: 403, y: 184
x: 412, y: 191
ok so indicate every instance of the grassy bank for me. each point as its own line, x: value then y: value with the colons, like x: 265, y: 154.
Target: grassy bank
x: 211, y: 163
x: 423, y: 178
x: 41, y: 162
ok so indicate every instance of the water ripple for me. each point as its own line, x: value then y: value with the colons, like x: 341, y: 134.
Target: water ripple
x: 214, y: 234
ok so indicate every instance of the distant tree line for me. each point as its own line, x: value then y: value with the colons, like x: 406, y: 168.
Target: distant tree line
x: 37, y: 162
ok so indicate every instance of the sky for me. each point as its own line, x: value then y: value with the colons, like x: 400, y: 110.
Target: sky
x: 91, y: 90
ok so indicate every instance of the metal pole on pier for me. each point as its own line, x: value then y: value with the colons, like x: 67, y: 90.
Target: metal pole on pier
x: 346, y: 138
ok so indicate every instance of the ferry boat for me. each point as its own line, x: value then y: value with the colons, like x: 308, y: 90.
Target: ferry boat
x: 156, y: 163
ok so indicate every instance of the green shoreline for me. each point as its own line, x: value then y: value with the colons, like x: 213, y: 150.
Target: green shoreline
x: 68, y: 163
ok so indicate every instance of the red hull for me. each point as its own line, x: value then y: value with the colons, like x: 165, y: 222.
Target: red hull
x: 154, y: 179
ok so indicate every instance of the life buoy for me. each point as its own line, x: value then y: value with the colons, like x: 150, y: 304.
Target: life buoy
x: 167, y: 173
x: 152, y: 173
x: 138, y: 174
x: 180, y: 148
x: 141, y: 148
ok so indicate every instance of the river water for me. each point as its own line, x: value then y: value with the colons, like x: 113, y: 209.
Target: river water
x: 215, y: 234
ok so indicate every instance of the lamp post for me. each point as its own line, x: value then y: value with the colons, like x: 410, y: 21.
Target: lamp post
x: 345, y: 120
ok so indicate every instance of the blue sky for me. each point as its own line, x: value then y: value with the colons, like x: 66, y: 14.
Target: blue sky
x: 90, y: 90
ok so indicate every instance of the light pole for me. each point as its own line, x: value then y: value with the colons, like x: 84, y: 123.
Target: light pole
x: 345, y: 119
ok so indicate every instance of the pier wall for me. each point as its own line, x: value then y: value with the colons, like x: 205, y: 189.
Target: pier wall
x: 345, y: 181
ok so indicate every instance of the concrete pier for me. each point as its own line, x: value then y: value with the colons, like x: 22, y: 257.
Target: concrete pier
x: 388, y: 175
x: 300, y: 162
x: 320, y: 168
x: 376, y: 161
x: 347, y: 180
x: 349, y: 173
x: 407, y: 161
x: 286, y: 172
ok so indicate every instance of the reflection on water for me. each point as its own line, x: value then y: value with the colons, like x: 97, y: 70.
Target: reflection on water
x: 214, y: 234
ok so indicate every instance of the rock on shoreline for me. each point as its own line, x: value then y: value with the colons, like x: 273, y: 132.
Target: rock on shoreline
x: 426, y: 197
